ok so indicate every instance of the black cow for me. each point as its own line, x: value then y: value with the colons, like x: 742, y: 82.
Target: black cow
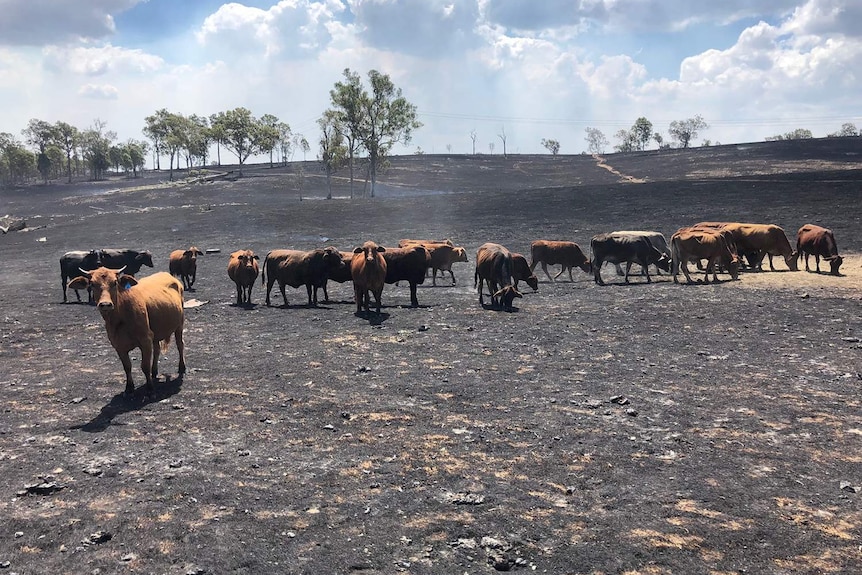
x: 617, y: 249
x: 408, y: 264
x: 296, y: 268
x: 131, y: 260
x: 71, y: 264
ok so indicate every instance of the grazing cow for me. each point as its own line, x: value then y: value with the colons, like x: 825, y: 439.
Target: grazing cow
x: 242, y: 269
x: 703, y: 243
x: 726, y: 235
x: 141, y: 314
x: 184, y: 263
x: 297, y: 267
x: 819, y: 242
x: 521, y: 272
x: 494, y: 267
x: 76, y: 264
x: 368, y: 270
x: 131, y: 260
x: 550, y: 252
x: 657, y: 239
x: 758, y: 240
x: 628, y: 249
x: 407, y: 264
x: 443, y: 255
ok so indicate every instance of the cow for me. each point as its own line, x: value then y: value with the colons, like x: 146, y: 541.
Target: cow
x: 368, y: 271
x: 657, y: 239
x: 297, y: 267
x: 131, y: 260
x: 702, y: 243
x: 628, y: 249
x: 184, y: 264
x: 340, y: 274
x: 726, y: 235
x: 443, y: 255
x: 758, y: 240
x: 521, y: 272
x: 75, y: 264
x: 243, y: 269
x: 819, y: 242
x: 407, y: 264
x: 494, y: 267
x: 141, y: 314
x: 551, y: 252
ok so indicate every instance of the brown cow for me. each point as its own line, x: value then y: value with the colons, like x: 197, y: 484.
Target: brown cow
x: 297, y: 267
x: 550, y: 252
x: 758, y: 240
x: 340, y: 274
x: 243, y: 269
x: 695, y: 244
x: 819, y: 242
x: 443, y: 255
x: 184, y: 263
x: 407, y: 264
x: 521, y: 272
x: 368, y: 270
x: 138, y: 314
x: 494, y: 266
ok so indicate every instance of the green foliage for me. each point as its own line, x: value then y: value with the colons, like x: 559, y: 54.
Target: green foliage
x: 596, y: 141
x: 797, y: 134
x: 848, y: 129
x: 684, y: 131
x: 641, y: 133
x: 552, y: 146
x: 627, y: 141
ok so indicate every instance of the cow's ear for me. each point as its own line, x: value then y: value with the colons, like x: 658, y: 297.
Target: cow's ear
x: 189, y: 253
x: 127, y: 281
x: 80, y: 282
x: 357, y: 250
x: 257, y: 257
x: 381, y: 249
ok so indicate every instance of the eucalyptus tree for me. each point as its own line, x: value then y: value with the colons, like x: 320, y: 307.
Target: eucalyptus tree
x: 66, y: 137
x: 684, y: 131
x: 217, y: 134
x: 269, y: 135
x: 156, y: 129
x: 241, y: 134
x: 333, y: 151
x: 347, y: 97
x: 40, y: 134
x: 596, y: 141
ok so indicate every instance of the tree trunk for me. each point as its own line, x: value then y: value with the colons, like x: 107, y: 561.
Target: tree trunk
x: 329, y: 182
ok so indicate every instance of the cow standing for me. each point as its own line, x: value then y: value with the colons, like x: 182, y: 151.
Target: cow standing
x: 625, y: 249
x: 758, y: 240
x: 184, y: 264
x: 296, y: 268
x: 690, y: 244
x: 494, y: 267
x: 243, y: 269
x: 368, y: 270
x: 407, y: 264
x: 443, y: 255
x: 131, y: 260
x: 521, y: 272
x: 138, y: 314
x: 551, y: 252
x: 657, y: 240
x: 819, y: 242
x: 76, y: 264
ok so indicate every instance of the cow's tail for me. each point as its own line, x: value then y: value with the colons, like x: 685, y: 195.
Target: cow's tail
x: 263, y: 270
x: 674, y: 257
x: 164, y: 344
x: 476, y: 276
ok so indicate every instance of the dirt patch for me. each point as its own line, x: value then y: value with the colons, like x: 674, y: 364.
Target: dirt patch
x: 633, y: 428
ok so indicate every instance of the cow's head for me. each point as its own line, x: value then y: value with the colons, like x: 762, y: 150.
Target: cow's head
x: 461, y: 254
x: 733, y: 267
x: 371, y: 252
x: 192, y: 253
x: 792, y: 261
x: 663, y: 262
x: 332, y: 258
x: 106, y: 284
x: 533, y: 282
x: 835, y: 263
x: 247, y: 259
x: 506, y: 296
x: 587, y: 266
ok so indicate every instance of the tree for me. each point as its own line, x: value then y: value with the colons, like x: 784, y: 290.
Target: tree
x: 659, y: 140
x: 797, y: 134
x: 491, y: 148
x: 66, y: 137
x: 285, y: 135
x: 95, y: 146
x: 40, y: 134
x: 596, y: 141
x: 137, y: 151
x: 684, y: 131
x: 553, y: 146
x: 473, y: 137
x: 627, y: 141
x: 217, y: 133
x: 641, y: 133
x: 347, y: 100
x: 156, y: 130
x: 847, y: 129
x: 269, y: 135
x: 332, y: 149
x: 241, y: 134
x: 502, y: 136
x: 387, y: 119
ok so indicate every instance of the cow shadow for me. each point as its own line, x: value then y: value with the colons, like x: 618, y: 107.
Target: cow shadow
x: 122, y: 403
x: 245, y: 306
x: 373, y: 317
x: 492, y: 307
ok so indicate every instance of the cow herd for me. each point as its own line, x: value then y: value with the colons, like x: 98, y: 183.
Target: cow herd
x: 145, y: 313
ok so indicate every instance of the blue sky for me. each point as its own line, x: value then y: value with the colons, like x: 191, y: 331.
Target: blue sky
x: 534, y: 70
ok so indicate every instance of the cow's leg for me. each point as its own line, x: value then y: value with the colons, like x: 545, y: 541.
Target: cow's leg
x: 480, y: 284
x: 434, y: 276
x: 325, y: 293
x: 806, y: 263
x: 545, y: 269
x: 817, y: 261
x: 248, y: 298
x: 147, y: 363
x: 452, y: 274
x: 238, y: 294
x: 684, y: 265
x: 619, y: 269
x: 628, y: 269
x: 414, y: 300
x: 283, y: 293
x: 181, y: 349
x: 771, y: 267
x: 597, y: 271
x: 157, y: 350
x: 127, y: 368
x: 269, y: 283
x: 377, y: 296
x: 645, y: 271
x: 571, y: 279
x: 311, y: 300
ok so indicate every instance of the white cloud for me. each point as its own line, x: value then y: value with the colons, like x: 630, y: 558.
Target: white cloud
x: 99, y: 91
x: 42, y: 22
x: 101, y: 60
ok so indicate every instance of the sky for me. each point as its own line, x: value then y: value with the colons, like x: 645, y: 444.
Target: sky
x: 519, y: 70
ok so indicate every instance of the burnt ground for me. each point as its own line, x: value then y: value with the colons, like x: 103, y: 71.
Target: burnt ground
x: 637, y: 429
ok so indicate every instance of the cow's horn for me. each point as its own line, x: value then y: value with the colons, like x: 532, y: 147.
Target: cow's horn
x: 83, y: 271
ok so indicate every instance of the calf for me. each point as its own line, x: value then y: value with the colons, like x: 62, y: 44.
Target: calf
x: 368, y: 270
x: 550, y: 252
x: 494, y: 267
x: 296, y: 268
x: 407, y: 264
x: 243, y: 269
x: 131, y: 260
x: 443, y: 255
x: 184, y: 263
x: 819, y: 242
x: 76, y: 264
x: 521, y: 272
x: 138, y: 314
x: 625, y: 249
